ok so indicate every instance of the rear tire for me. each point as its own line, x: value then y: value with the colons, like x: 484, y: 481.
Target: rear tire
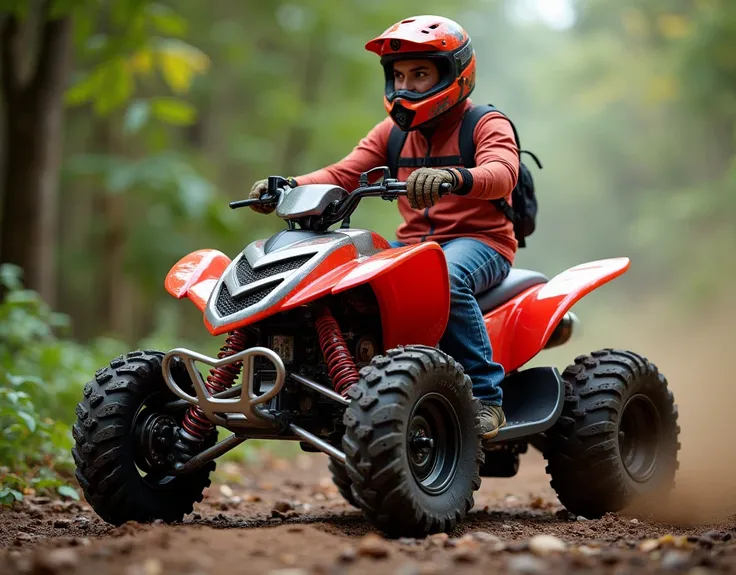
x: 413, y: 442
x: 108, y: 452
x: 616, y: 441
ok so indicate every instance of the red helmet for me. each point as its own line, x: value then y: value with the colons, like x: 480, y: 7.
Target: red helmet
x: 439, y: 39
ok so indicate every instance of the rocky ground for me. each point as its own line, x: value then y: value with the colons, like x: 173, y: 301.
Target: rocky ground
x: 288, y: 519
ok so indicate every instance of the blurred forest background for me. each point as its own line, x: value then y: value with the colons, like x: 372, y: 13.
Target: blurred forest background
x: 129, y: 125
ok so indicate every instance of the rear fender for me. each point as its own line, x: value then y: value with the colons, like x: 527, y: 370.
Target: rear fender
x: 520, y: 328
x: 195, y: 275
x: 412, y: 287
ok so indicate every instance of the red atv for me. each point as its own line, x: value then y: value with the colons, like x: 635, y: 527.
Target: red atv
x: 338, y: 351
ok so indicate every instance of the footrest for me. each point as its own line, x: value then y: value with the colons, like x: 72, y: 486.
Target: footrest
x: 532, y: 402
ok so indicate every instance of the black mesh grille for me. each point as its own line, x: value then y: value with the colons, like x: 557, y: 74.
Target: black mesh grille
x: 247, y: 274
x: 226, y: 305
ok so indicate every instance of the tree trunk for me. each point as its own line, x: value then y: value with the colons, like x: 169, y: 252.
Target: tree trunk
x: 33, y: 123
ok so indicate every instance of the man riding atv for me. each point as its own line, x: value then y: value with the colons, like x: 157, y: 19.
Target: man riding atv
x: 430, y: 67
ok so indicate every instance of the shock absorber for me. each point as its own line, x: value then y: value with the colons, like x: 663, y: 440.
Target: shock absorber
x: 340, y: 363
x: 195, y: 426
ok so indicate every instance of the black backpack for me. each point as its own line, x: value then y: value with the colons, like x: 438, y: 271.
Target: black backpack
x: 523, y: 208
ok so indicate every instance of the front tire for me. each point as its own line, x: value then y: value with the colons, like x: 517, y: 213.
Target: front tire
x: 122, y: 403
x: 412, y: 442
x: 616, y: 441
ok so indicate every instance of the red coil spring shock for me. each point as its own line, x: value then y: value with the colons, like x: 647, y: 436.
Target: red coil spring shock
x: 219, y: 379
x: 340, y: 363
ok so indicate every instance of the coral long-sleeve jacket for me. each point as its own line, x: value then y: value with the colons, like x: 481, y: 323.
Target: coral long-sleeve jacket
x: 470, y: 215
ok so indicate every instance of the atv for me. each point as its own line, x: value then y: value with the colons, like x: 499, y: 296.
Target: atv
x: 326, y: 342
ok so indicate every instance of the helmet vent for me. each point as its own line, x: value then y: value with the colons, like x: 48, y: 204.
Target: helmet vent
x: 425, y: 31
x: 407, y: 21
x: 433, y: 26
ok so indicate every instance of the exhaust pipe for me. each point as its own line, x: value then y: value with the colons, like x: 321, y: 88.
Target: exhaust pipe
x: 568, y: 326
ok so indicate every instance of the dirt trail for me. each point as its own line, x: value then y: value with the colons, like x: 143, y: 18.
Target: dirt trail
x: 291, y: 520
x: 287, y: 518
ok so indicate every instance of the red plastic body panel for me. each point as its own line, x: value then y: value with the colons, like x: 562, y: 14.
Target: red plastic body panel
x: 520, y: 328
x: 408, y: 315
x: 195, y: 275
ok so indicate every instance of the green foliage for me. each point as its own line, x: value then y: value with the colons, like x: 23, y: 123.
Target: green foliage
x: 130, y: 52
x: 41, y: 377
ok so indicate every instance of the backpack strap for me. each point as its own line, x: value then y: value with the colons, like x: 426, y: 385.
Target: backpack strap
x: 467, y: 129
x: 467, y: 147
x: 396, y: 140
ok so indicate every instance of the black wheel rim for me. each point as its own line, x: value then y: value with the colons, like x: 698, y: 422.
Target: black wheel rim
x: 433, y: 443
x: 638, y: 437
x: 153, y: 435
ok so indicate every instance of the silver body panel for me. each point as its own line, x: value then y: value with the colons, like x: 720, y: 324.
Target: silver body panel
x: 255, y: 280
x: 309, y: 200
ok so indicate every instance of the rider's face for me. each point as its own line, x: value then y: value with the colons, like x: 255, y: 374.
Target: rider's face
x: 415, y: 75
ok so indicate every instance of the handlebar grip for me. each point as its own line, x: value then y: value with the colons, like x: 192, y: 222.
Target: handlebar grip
x: 245, y: 203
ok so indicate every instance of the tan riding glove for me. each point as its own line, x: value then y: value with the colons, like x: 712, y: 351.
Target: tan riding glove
x: 423, y: 186
x: 258, y: 189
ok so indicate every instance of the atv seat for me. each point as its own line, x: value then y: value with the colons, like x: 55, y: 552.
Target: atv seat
x: 516, y: 282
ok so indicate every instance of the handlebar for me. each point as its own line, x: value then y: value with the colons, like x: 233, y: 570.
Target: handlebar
x: 390, y: 191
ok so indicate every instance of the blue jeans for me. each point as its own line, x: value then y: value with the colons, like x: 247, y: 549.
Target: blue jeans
x: 474, y: 268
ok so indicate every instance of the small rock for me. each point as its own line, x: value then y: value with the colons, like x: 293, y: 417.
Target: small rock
x: 634, y: 521
x: 40, y: 500
x: 250, y: 498
x: 545, y: 544
x: 282, y: 506
x: 588, y: 551
x: 488, y: 541
x: 373, y: 545
x: 407, y: 541
x: 465, y: 554
x: 511, y: 500
x: 526, y: 564
x: 288, y: 559
x: 347, y: 555
x: 518, y: 546
x: 718, y: 535
x: 226, y: 491
x: 438, y: 538
x: 62, y: 523
x: 675, y: 561
x: 648, y: 545
x: 581, y: 518
x: 54, y: 561
x: 23, y: 537
x: 35, y: 511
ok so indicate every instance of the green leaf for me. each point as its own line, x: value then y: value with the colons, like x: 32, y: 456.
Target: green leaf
x: 11, y: 276
x: 30, y: 422
x: 68, y: 491
x: 179, y: 62
x: 9, y: 496
x: 166, y: 21
x: 173, y: 111
x: 136, y: 116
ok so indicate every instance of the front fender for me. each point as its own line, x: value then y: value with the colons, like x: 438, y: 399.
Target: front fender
x: 195, y: 276
x: 520, y: 328
x: 412, y: 287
